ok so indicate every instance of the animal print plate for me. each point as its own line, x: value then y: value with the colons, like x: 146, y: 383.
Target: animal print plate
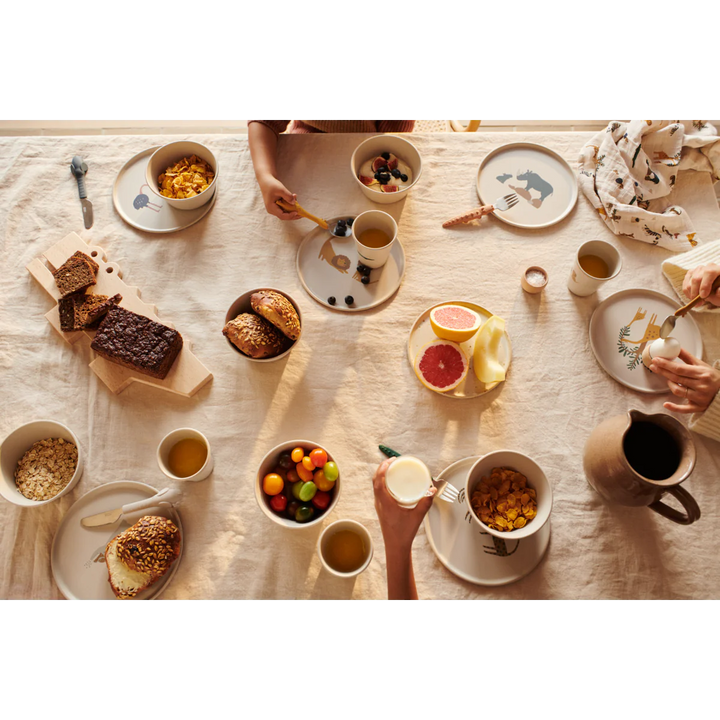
x: 543, y: 181
x: 471, y: 553
x: 327, y: 266
x: 625, y: 323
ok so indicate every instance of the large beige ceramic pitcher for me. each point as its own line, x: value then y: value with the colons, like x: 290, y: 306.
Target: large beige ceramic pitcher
x: 634, y: 459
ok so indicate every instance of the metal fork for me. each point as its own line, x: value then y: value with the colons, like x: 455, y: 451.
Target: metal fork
x: 502, y: 204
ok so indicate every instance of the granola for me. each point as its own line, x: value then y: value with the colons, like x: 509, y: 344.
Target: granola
x: 46, y: 468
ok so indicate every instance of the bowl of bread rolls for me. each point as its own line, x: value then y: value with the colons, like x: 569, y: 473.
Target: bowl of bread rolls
x: 263, y: 325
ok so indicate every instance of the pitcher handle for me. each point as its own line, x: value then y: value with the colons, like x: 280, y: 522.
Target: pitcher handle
x: 692, y: 511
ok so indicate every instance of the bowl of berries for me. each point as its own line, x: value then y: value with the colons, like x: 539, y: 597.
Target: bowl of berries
x: 297, y: 484
x: 385, y: 167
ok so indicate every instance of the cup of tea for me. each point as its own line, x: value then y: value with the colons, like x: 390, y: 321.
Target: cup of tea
x: 596, y: 262
x: 345, y: 548
x: 184, y: 454
x: 374, y: 232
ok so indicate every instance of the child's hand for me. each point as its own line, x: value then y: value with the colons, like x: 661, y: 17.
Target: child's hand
x: 696, y: 381
x: 399, y: 525
x: 699, y: 282
x: 272, y: 189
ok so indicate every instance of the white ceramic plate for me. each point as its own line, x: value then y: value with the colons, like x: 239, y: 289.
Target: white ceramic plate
x: 78, y: 553
x: 138, y: 206
x: 471, y: 553
x: 623, y: 324
x: 422, y: 333
x: 543, y: 181
x: 327, y: 266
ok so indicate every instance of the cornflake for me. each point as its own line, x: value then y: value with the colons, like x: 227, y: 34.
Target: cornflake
x: 186, y: 178
x: 504, y: 501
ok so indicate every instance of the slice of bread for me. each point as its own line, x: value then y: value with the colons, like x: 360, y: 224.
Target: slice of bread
x: 125, y: 583
x: 75, y: 275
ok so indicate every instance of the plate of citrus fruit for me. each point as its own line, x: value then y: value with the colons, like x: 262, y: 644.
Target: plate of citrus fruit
x: 459, y: 349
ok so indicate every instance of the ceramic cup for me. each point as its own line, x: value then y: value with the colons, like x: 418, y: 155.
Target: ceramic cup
x: 167, y: 444
x: 374, y: 219
x: 395, y: 480
x: 580, y: 282
x: 336, y: 527
x: 535, y: 477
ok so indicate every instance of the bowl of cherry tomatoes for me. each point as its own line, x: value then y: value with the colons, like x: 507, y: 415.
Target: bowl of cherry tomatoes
x: 297, y: 484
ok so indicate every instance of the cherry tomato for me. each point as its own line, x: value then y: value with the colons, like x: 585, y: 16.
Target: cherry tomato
x: 331, y: 471
x: 297, y: 455
x: 273, y: 484
x: 285, y: 461
x: 304, y: 513
x: 292, y: 476
x: 296, y: 489
x: 279, y: 503
x: 319, y: 457
x: 292, y: 508
x: 307, y: 492
x: 307, y: 463
x: 322, y: 482
x: 321, y: 500
x: 303, y: 472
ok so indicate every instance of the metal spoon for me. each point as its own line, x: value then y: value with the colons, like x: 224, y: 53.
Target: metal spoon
x: 669, y: 323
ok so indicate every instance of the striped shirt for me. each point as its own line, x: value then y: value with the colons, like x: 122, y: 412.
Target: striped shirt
x: 335, y: 125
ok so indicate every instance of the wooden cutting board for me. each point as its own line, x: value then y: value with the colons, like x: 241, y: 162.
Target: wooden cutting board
x: 187, y: 374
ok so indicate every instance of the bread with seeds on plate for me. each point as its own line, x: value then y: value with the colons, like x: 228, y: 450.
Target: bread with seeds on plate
x: 278, y: 310
x: 255, y: 336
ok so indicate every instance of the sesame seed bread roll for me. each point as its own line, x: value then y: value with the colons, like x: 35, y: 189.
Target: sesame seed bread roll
x: 278, y: 310
x: 254, y: 336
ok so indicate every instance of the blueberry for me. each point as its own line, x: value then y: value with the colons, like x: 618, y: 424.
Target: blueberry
x: 360, y: 267
x: 403, y: 177
x: 396, y: 173
x: 377, y: 176
x: 385, y: 155
x: 364, y: 279
x: 384, y: 178
x: 349, y: 222
x: 349, y: 300
x: 342, y: 223
x: 331, y: 300
x: 384, y: 169
x: 365, y: 270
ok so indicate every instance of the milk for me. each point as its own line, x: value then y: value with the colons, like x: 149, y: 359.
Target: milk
x: 408, y: 480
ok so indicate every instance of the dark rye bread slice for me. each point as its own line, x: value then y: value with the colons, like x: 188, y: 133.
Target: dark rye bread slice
x: 80, y: 312
x: 93, y: 264
x: 75, y: 275
x: 137, y: 342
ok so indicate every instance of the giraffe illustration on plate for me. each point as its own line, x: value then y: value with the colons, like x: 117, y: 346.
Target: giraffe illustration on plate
x: 633, y: 349
x: 142, y: 200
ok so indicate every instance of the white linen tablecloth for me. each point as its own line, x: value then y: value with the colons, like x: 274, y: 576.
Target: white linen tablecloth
x: 348, y: 383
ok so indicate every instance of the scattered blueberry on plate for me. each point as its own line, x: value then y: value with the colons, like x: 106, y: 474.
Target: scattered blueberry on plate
x: 349, y: 300
x: 331, y: 300
x: 364, y: 279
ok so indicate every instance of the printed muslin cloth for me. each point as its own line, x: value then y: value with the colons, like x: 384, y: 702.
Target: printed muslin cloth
x: 628, y: 171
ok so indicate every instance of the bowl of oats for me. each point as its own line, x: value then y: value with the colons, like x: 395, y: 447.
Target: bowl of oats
x: 39, y: 462
x: 183, y: 174
x: 508, y: 495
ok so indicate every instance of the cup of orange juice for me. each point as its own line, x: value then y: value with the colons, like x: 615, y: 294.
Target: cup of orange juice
x: 184, y: 454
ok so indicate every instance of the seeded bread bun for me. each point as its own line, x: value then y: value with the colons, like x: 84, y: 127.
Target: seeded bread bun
x: 141, y: 555
x: 278, y: 310
x: 254, y: 336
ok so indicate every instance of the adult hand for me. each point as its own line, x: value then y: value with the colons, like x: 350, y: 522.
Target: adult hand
x: 272, y: 189
x: 699, y: 282
x: 695, y: 381
x: 399, y: 525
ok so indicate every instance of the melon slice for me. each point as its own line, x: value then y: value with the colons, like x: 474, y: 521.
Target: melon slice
x: 441, y: 365
x: 486, y: 363
x: 455, y: 322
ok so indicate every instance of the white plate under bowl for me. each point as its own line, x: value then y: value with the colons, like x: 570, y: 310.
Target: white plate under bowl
x: 78, y: 553
x: 471, y: 553
x: 138, y: 206
x: 422, y: 333
x: 638, y: 314
x: 327, y: 266
x: 551, y: 179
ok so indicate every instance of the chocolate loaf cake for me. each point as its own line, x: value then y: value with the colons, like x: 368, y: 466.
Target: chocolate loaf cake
x: 137, y: 342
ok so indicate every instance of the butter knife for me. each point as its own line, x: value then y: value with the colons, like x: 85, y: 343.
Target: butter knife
x: 132, y: 512
x: 79, y: 169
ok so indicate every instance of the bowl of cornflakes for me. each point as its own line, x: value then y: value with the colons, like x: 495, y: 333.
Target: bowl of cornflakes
x: 184, y: 174
x: 508, y: 495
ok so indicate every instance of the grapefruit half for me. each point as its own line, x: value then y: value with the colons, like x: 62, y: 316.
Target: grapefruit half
x: 455, y: 322
x: 441, y: 365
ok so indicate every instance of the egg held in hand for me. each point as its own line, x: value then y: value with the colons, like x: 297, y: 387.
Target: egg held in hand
x: 668, y: 348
